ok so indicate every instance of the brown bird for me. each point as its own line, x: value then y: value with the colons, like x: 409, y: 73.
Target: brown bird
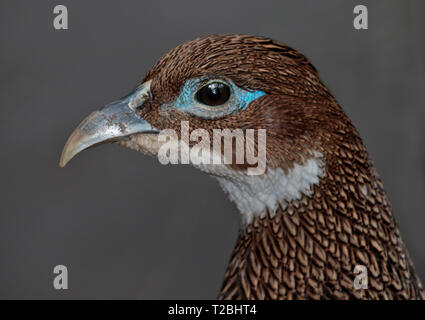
x: 317, y: 217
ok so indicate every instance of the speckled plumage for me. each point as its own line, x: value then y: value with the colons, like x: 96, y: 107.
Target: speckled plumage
x: 308, y: 247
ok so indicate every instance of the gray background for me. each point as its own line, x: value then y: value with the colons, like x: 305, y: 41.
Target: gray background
x: 128, y: 227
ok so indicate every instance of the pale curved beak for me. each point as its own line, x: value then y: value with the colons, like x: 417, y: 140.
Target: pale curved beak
x: 114, y: 122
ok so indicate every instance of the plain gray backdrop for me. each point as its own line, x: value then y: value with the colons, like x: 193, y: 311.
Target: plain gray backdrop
x: 128, y: 227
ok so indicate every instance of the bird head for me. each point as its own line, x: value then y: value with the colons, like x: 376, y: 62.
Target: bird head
x: 234, y: 82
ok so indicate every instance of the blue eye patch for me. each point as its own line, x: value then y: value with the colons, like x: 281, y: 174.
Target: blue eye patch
x: 187, y: 101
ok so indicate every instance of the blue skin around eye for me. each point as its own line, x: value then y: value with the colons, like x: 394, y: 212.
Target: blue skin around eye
x: 186, y: 101
x: 246, y: 97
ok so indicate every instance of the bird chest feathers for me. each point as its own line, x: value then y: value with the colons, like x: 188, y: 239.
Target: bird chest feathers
x: 314, y: 211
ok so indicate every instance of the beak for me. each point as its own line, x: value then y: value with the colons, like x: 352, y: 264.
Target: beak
x: 114, y: 122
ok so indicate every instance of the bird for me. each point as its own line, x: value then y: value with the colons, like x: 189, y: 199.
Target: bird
x: 317, y: 217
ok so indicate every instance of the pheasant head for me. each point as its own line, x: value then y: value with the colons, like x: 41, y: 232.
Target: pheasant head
x: 312, y: 205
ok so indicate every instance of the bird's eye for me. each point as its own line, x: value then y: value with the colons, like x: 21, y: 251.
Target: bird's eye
x: 213, y: 94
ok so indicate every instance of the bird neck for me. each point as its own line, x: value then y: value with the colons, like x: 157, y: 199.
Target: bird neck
x: 309, y: 249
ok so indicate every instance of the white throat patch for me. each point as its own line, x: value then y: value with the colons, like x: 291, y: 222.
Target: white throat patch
x: 254, y: 194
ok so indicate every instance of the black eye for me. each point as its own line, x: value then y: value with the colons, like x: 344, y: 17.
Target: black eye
x: 213, y: 94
